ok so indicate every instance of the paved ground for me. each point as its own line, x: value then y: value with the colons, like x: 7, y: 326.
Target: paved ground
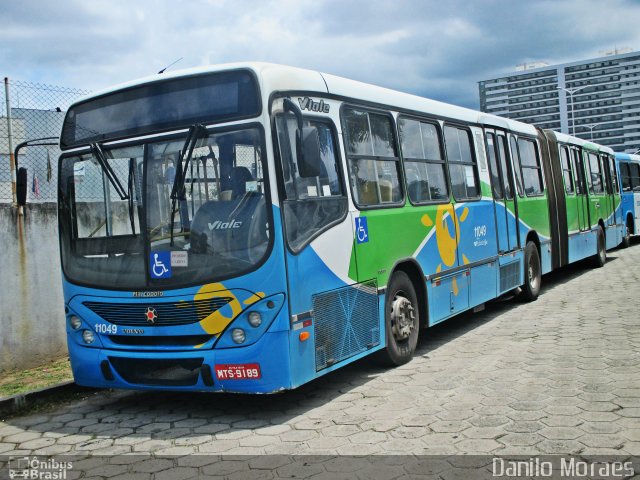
x: 560, y: 375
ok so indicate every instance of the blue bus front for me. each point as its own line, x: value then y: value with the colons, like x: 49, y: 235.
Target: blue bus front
x: 629, y: 174
x: 171, y: 252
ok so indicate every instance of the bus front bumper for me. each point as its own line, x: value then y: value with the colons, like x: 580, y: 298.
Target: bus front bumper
x: 259, y: 368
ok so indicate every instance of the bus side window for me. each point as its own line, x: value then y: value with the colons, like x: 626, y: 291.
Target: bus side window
x: 496, y: 185
x: 634, y: 173
x: 607, y: 173
x: 595, y: 185
x: 311, y: 204
x: 374, y: 165
x: 566, y: 170
x: 614, y: 174
x: 423, y: 161
x: 531, y: 171
x: 626, y: 178
x: 462, y: 164
x: 577, y: 171
x: 517, y: 167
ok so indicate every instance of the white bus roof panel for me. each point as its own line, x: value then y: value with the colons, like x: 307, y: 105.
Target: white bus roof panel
x: 274, y: 78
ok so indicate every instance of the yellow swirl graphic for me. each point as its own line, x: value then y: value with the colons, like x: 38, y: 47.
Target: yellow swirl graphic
x: 216, y: 322
x: 447, y: 243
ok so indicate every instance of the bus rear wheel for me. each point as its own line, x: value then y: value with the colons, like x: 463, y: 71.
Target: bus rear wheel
x: 401, y: 320
x: 532, y: 273
x: 626, y: 238
x: 599, y: 259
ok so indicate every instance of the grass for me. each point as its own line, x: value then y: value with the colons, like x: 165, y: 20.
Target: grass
x: 46, y: 375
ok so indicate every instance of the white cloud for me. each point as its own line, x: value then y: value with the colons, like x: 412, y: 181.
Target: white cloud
x: 434, y: 48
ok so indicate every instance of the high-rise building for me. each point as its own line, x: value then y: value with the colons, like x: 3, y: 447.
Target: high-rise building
x: 596, y: 99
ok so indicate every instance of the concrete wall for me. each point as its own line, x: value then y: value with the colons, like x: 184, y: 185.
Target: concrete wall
x: 32, y: 321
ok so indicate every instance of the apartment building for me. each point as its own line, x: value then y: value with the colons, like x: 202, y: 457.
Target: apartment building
x: 596, y: 99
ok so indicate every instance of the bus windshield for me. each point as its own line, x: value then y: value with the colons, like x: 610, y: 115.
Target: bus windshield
x: 142, y: 235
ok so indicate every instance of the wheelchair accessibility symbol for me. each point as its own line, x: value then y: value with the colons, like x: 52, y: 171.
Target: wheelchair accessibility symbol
x: 160, y: 264
x: 362, y: 231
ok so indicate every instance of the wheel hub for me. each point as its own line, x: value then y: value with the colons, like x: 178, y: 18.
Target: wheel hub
x: 402, y: 318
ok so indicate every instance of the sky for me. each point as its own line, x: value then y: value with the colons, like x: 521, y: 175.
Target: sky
x: 435, y: 48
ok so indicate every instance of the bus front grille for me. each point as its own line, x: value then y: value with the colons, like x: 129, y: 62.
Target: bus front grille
x: 164, y: 372
x: 166, y: 314
x: 160, y: 341
x: 346, y: 322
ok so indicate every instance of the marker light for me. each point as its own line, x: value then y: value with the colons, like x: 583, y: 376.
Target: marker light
x: 88, y: 336
x: 75, y: 322
x: 255, y: 319
x: 238, y: 335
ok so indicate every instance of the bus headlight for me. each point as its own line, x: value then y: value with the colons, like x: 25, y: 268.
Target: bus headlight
x: 249, y: 326
x: 75, y: 322
x: 238, y: 335
x: 255, y: 319
x: 88, y: 337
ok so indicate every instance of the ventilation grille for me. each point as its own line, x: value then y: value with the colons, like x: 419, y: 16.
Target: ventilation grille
x: 167, y: 314
x: 509, y: 276
x: 346, y: 323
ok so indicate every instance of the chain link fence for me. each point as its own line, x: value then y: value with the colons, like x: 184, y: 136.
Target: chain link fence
x: 37, y: 112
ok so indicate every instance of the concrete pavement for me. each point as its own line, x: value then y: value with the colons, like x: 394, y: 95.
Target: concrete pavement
x: 559, y: 375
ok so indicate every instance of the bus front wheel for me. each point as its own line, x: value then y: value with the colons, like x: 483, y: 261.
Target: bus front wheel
x: 532, y: 273
x: 401, y: 320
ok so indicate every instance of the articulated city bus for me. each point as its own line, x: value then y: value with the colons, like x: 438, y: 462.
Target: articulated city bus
x: 251, y: 227
x: 629, y: 173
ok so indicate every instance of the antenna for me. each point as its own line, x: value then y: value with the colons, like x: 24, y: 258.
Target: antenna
x: 170, y: 65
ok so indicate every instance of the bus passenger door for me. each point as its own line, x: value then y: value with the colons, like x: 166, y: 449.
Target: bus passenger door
x: 597, y: 196
x: 503, y: 191
x: 509, y: 192
x: 613, y: 236
x: 615, y: 196
x: 610, y: 220
x: 581, y: 190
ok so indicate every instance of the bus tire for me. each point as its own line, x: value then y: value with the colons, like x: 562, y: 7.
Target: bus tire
x: 626, y: 238
x: 532, y: 273
x: 599, y: 259
x: 402, y: 320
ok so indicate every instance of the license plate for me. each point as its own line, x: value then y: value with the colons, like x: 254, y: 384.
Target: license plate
x: 246, y: 371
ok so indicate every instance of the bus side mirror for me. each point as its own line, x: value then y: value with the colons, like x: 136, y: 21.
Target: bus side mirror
x: 309, y: 158
x: 307, y: 144
x: 21, y: 186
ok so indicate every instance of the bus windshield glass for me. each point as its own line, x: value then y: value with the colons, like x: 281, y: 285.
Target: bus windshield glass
x: 215, y: 227
x: 162, y: 105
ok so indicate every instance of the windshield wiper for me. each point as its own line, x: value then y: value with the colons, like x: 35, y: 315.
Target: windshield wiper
x: 132, y: 169
x: 178, y: 192
x: 99, y: 155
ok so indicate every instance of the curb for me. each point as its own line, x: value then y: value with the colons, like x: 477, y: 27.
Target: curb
x: 21, y: 400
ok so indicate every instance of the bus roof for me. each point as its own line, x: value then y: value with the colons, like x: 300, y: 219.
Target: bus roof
x: 274, y: 77
x: 627, y: 156
x: 564, y: 138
